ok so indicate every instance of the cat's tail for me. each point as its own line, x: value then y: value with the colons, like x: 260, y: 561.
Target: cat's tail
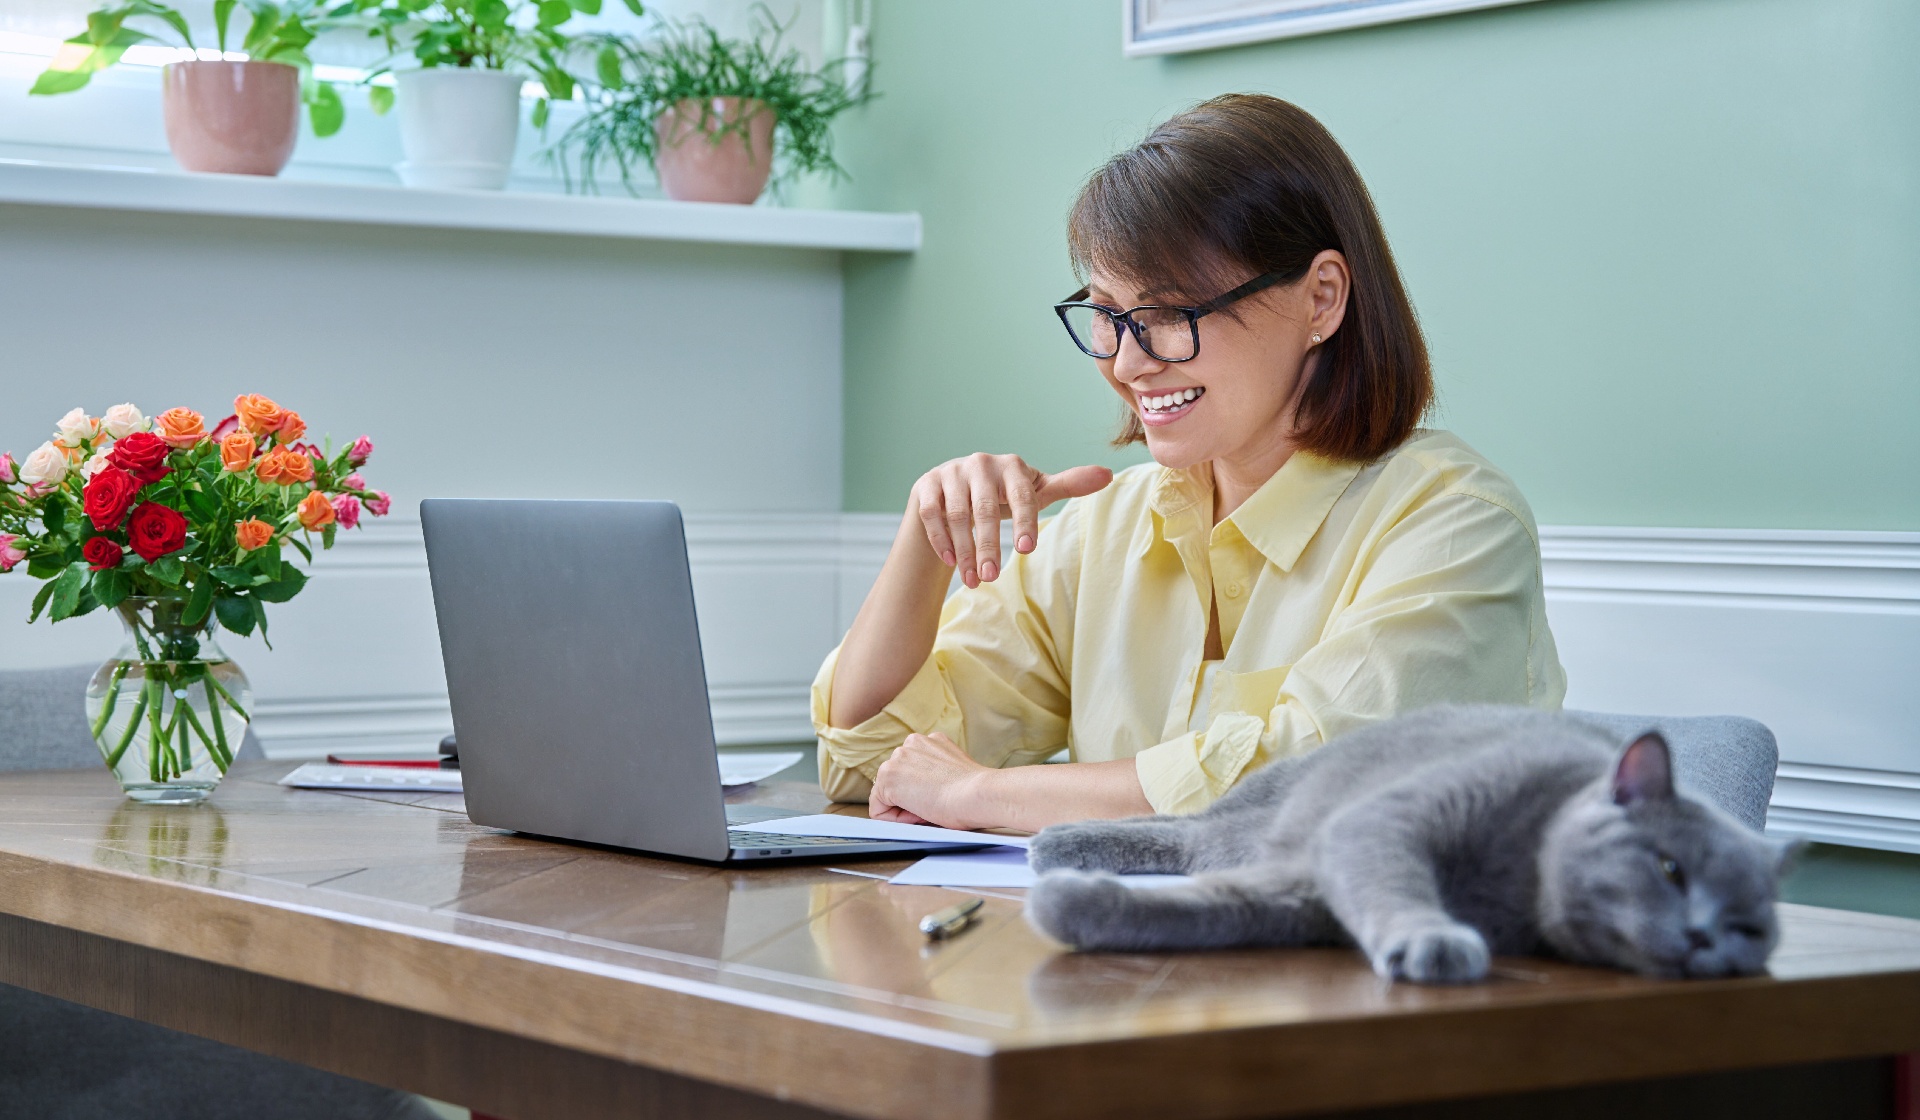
x: 1259, y: 905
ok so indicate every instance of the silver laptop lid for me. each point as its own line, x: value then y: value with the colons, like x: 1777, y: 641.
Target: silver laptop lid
x: 573, y: 666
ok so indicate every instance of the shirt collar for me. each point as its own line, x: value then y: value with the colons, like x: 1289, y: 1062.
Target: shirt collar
x: 1279, y: 519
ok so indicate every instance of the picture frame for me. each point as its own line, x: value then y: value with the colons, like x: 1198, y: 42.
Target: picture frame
x: 1151, y: 27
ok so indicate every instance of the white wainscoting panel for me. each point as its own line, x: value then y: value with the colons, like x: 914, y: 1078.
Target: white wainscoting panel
x: 1817, y: 634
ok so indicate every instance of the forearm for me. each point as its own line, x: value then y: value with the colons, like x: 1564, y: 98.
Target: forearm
x: 1030, y: 798
x: 894, y: 631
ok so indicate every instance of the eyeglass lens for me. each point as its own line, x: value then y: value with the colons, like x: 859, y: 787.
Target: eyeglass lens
x: 1167, y: 333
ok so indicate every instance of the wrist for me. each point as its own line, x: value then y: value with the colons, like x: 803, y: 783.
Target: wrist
x: 979, y: 799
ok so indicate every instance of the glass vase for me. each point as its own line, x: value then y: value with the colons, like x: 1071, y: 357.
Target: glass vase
x: 169, y: 711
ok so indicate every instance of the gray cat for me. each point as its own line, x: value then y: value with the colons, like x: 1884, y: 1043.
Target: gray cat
x: 1432, y: 841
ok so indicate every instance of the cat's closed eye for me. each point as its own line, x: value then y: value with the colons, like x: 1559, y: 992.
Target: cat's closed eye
x: 1750, y: 932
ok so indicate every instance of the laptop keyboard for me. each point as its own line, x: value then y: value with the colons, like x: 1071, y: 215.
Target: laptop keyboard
x: 758, y: 840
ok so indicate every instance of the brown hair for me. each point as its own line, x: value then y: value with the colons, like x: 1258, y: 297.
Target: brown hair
x: 1247, y: 184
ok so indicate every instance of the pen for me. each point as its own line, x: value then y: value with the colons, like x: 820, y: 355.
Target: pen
x: 942, y: 924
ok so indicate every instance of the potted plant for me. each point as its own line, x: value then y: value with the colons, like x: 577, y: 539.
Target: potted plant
x: 236, y: 116
x: 178, y: 530
x: 460, y: 109
x: 712, y: 116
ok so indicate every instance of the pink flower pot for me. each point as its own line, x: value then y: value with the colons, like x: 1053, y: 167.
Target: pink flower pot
x: 693, y: 167
x: 241, y: 118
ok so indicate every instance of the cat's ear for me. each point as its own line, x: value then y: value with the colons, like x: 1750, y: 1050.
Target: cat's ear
x: 1786, y: 855
x: 1645, y: 771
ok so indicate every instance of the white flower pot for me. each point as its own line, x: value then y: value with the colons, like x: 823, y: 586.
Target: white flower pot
x: 457, y: 127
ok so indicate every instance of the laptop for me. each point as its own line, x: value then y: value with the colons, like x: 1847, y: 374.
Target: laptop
x: 579, y: 695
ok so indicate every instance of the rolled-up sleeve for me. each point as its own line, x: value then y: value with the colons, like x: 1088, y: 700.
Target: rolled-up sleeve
x: 994, y: 683
x: 1443, y: 609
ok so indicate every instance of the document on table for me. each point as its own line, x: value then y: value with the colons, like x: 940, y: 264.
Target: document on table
x: 998, y: 867
x: 860, y: 828
x: 739, y: 768
x: 383, y: 779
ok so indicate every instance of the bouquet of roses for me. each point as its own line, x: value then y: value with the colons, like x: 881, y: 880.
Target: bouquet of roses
x: 121, y: 506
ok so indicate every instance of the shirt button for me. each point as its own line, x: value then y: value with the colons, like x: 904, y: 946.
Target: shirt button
x: 1232, y: 590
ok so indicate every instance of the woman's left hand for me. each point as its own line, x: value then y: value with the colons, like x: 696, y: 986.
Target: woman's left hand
x: 929, y: 780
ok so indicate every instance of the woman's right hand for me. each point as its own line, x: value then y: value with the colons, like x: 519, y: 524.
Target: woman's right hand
x: 961, y: 503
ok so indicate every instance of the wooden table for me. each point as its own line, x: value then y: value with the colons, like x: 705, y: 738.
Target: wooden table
x: 387, y: 937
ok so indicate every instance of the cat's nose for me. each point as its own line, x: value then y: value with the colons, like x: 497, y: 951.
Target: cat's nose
x: 1699, y: 939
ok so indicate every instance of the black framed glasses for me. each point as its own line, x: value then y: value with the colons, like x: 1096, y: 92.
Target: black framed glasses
x: 1166, y: 333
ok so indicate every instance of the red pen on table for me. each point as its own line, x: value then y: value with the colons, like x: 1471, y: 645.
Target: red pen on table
x: 407, y: 763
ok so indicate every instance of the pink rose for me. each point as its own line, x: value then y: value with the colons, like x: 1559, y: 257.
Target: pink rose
x: 378, y: 503
x: 8, y: 474
x: 9, y: 553
x: 224, y: 429
x: 360, y: 452
x: 353, y: 482
x: 346, y: 511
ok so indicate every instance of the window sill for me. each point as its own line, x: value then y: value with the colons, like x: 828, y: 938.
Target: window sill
x: 35, y: 183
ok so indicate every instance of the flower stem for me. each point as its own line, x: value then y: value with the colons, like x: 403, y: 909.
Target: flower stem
x: 219, y: 725
x: 113, y: 697
x: 156, y: 739
x: 126, y: 736
x: 231, y: 702
x: 220, y: 757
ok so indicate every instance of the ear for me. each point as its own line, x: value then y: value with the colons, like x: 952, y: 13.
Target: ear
x: 1786, y: 854
x: 1645, y: 771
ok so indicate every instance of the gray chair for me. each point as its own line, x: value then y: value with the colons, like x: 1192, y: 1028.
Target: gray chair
x: 65, y: 1061
x: 1727, y: 761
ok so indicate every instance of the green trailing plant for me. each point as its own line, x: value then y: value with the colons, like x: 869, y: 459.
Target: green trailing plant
x: 275, y: 33
x: 484, y: 35
x: 640, y: 78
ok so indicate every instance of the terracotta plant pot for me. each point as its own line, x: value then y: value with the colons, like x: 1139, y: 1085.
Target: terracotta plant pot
x: 240, y: 118
x: 693, y: 168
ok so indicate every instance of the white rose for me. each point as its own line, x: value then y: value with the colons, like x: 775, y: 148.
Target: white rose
x: 93, y: 466
x: 46, y: 466
x: 75, y: 428
x: 123, y: 419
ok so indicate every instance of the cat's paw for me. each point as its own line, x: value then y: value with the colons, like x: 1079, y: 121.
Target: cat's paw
x: 1086, y: 911
x: 1082, y: 846
x: 1438, y: 954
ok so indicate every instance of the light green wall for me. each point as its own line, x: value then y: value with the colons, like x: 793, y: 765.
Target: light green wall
x: 1665, y: 250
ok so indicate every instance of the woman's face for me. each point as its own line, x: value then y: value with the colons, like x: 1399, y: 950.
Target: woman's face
x: 1234, y: 401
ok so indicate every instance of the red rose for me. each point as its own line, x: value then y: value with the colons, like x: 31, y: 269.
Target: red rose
x: 142, y: 455
x: 154, y: 530
x: 102, y: 554
x: 107, y: 496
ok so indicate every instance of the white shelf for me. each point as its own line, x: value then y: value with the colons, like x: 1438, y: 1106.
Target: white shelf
x: 34, y: 183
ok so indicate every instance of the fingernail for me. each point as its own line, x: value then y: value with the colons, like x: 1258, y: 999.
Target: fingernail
x: 1025, y: 543
x: 988, y: 570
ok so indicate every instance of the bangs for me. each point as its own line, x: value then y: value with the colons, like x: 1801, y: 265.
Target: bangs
x: 1131, y: 223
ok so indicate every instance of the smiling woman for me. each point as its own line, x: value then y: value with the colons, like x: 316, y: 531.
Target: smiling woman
x: 1299, y: 560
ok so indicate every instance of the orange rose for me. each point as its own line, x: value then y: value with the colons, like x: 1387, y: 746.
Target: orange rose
x: 291, y: 427
x: 315, y: 511
x: 181, y: 427
x: 236, y: 451
x: 258, y: 414
x: 252, y: 533
x: 285, y: 466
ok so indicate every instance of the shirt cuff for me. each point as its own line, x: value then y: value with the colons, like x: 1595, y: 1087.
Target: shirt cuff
x: 1187, y: 774
x: 923, y: 706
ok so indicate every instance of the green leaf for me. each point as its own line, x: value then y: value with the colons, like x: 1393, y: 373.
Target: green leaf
x: 234, y: 613
x: 111, y: 586
x: 636, y: 7
x: 540, y: 113
x: 260, y: 616
x: 491, y: 15
x: 304, y: 550
x: 283, y: 588
x: 222, y: 12
x: 233, y: 575
x: 559, y: 84
x: 587, y: 7
x: 380, y: 98
x: 326, y: 536
x: 201, y: 504
x: 87, y: 603
x: 54, y: 516
x: 45, y: 567
x: 553, y: 13
x: 607, y: 66
x: 199, y: 602
x: 40, y: 601
x: 325, y: 110
x: 66, y: 590
x: 169, y: 570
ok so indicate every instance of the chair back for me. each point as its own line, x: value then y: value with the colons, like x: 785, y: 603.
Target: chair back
x: 43, y: 721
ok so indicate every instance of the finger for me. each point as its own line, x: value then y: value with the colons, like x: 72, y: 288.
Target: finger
x: 1025, y: 510
x: 958, y: 500
x: 1074, y: 482
x: 986, y: 517
x: 904, y: 816
x: 933, y: 519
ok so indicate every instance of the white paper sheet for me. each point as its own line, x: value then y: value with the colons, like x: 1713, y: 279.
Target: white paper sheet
x: 739, y: 768
x: 998, y: 867
x: 383, y: 779
x: 860, y: 828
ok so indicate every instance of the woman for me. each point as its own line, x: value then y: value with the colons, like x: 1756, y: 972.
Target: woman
x: 1299, y: 560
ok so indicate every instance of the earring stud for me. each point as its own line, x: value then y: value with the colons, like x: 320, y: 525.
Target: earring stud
x: 1316, y: 339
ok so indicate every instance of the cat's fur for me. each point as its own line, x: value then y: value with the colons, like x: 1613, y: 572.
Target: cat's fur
x: 1432, y: 841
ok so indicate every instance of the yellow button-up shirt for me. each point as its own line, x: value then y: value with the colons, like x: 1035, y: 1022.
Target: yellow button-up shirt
x: 1347, y: 592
